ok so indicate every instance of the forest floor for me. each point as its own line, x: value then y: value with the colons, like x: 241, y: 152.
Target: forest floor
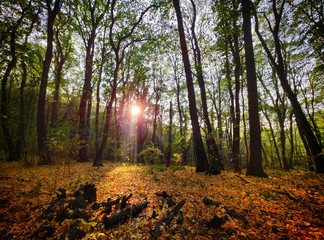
x: 284, y: 206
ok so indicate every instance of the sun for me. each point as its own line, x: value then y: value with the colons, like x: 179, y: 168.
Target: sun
x: 135, y: 110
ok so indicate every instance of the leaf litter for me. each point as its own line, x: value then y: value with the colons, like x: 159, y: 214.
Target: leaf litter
x: 284, y: 206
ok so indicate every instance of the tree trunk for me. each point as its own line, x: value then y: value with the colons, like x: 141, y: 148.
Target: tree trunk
x: 244, y: 129
x: 236, y: 122
x: 215, y: 164
x: 58, y: 76
x: 156, y: 112
x: 21, y: 144
x: 182, y: 134
x: 292, y: 146
x: 109, y: 108
x: 169, y: 153
x: 41, y: 121
x: 273, y: 137
x: 200, y: 155
x: 255, y: 161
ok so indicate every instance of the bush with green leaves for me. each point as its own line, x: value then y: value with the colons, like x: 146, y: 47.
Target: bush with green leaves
x: 151, y: 154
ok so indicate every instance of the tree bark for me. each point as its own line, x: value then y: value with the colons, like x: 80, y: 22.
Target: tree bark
x: 255, y: 161
x: 200, y: 155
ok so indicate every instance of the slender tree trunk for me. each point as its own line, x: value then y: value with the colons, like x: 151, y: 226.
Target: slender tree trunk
x: 109, y: 108
x: 98, y: 109
x: 292, y: 146
x: 200, y: 155
x: 58, y: 77
x: 215, y: 164
x: 156, y: 112
x: 41, y: 120
x: 255, y: 161
x: 182, y: 135
x: 273, y: 138
x: 236, y: 123
x: 86, y: 94
x: 169, y: 153
x: 244, y: 130
x: 21, y: 144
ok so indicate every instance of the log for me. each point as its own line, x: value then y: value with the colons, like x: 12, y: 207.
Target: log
x: 229, y: 211
x: 166, y: 220
x: 124, y: 214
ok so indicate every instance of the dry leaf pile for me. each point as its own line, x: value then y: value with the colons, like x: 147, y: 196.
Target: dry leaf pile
x: 284, y: 206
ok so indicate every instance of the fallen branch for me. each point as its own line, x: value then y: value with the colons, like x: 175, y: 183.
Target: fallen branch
x: 241, y: 178
x: 166, y: 220
x: 124, y: 201
x: 288, y: 195
x: 229, y: 211
x: 124, y: 214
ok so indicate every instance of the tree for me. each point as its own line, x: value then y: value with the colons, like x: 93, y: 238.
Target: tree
x: 63, y: 37
x: 199, y: 151
x: 255, y: 161
x: 279, y: 65
x: 215, y: 164
x: 5, y: 120
x: 52, y: 11
x: 87, y: 29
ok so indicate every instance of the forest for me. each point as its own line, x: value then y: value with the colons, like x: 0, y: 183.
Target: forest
x: 140, y: 119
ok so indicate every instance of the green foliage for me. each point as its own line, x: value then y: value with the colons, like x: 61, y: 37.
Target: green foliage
x: 60, y: 143
x: 151, y: 154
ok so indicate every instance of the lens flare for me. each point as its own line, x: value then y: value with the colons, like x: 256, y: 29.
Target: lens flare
x: 135, y: 110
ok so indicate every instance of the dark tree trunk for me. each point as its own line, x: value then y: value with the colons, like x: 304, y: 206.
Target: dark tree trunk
x: 236, y: 121
x: 182, y: 134
x: 41, y: 120
x: 292, y: 146
x: 58, y: 76
x: 86, y: 94
x: 109, y: 113
x: 97, y: 109
x: 215, y: 164
x: 21, y: 144
x: 200, y: 155
x: 255, y: 161
x: 279, y: 66
x: 169, y: 153
x: 244, y: 129
x: 156, y: 112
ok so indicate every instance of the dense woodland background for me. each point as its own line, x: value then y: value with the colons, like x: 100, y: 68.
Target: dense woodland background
x: 219, y: 84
